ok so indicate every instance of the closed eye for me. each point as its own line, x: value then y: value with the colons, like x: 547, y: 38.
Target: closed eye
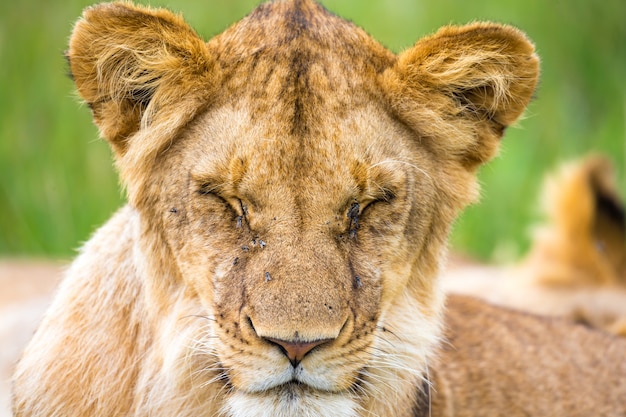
x: 210, y: 188
x: 208, y: 191
x: 357, y: 209
x: 383, y: 194
x: 234, y: 204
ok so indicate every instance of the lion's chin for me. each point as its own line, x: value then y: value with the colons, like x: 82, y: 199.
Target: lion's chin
x: 291, y: 399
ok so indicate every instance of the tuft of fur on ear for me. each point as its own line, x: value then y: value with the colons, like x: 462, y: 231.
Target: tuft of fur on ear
x: 132, y: 63
x: 461, y: 87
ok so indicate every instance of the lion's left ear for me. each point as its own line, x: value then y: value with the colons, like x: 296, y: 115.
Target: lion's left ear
x: 461, y: 87
x: 133, y: 63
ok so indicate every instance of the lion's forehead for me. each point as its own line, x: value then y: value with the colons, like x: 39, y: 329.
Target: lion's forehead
x: 295, y: 63
x: 355, y: 155
x: 297, y: 34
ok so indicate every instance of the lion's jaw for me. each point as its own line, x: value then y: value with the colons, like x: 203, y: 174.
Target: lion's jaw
x: 393, y: 371
x: 397, y: 368
x: 386, y: 385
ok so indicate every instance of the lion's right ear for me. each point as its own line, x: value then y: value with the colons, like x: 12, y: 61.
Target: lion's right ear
x: 461, y: 87
x: 131, y: 64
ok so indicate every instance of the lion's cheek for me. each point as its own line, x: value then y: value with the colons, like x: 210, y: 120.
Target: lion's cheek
x: 395, y: 281
x: 387, y: 273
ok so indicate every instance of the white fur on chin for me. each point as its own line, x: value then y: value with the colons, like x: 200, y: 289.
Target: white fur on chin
x: 290, y: 400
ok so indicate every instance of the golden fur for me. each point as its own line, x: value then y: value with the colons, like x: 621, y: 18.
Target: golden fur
x: 291, y: 186
x: 584, y: 241
x: 576, y: 267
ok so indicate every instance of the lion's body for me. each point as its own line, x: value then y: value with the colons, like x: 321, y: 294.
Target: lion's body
x: 503, y: 362
x: 576, y: 267
x: 291, y: 187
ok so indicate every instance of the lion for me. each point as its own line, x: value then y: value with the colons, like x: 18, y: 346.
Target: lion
x: 291, y: 185
x: 576, y: 266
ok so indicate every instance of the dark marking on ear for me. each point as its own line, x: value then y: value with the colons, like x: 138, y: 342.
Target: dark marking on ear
x: 68, y: 70
x: 611, y: 209
x: 141, y: 96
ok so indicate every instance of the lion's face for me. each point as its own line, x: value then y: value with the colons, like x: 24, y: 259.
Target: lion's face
x: 297, y: 240
x: 298, y: 181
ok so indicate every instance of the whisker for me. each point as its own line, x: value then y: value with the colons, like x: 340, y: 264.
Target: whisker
x: 200, y: 316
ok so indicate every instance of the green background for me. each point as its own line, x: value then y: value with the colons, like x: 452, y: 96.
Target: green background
x: 57, y: 183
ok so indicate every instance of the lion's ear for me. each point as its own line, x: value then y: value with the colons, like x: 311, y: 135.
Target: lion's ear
x: 583, y: 203
x: 462, y: 86
x: 129, y: 61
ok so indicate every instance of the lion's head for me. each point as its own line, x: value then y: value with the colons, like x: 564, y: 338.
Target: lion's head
x: 297, y: 181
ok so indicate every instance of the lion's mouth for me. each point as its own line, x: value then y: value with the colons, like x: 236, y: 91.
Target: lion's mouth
x: 297, y: 384
x: 294, y: 387
x: 291, y: 389
x: 296, y: 390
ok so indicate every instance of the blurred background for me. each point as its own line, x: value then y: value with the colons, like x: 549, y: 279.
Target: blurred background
x: 57, y: 182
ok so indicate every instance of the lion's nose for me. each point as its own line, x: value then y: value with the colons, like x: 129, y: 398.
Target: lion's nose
x: 296, y: 351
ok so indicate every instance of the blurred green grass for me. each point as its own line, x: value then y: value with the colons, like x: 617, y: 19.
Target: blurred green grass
x: 57, y: 183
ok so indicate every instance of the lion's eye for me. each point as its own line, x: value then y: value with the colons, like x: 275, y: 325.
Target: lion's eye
x: 234, y: 204
x: 209, y: 189
x: 357, y: 209
x: 242, y: 214
x: 204, y: 192
x: 385, y: 195
x: 210, y: 192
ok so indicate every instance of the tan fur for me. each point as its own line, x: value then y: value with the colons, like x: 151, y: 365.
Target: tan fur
x: 500, y: 362
x: 290, y: 183
x: 576, y: 267
x: 26, y: 288
x: 584, y: 240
